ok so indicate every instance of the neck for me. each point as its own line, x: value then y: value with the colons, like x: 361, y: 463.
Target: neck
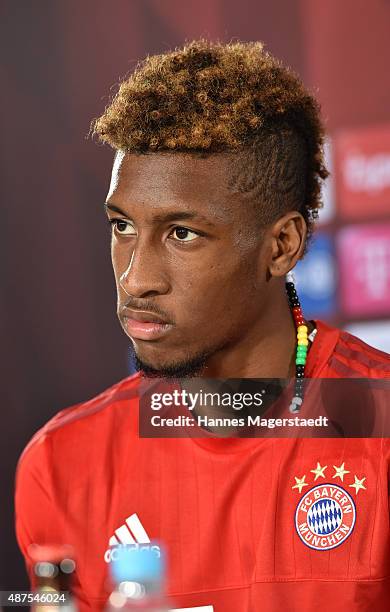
x: 266, y: 351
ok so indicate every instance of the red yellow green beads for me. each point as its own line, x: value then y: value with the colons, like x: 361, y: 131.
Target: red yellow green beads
x: 302, y: 343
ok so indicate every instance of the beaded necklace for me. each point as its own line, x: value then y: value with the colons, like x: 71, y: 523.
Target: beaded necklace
x: 302, y: 342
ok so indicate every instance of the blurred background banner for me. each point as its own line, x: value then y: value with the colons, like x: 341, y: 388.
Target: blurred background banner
x: 60, y: 61
x: 363, y: 172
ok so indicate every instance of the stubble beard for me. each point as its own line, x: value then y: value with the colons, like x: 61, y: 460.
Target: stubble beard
x: 189, y: 367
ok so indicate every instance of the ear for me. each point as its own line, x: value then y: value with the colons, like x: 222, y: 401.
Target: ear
x: 288, y: 238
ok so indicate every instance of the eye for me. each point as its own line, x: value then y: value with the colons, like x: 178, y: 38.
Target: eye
x: 123, y: 227
x: 183, y: 234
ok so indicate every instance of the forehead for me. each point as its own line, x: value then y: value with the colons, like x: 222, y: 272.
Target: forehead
x: 157, y: 180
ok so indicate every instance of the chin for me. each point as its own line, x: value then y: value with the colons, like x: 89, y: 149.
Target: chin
x: 185, y: 367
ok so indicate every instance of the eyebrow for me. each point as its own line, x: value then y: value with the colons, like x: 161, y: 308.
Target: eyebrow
x: 169, y: 216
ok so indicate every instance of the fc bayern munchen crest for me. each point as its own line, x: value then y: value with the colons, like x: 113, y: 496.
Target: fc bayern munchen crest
x: 325, y: 516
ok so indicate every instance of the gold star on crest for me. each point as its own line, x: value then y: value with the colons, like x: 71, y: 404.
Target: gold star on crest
x: 319, y: 471
x: 300, y: 483
x: 340, y: 472
x: 358, y: 484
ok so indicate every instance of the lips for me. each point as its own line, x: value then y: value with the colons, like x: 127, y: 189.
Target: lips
x: 142, y: 325
x: 143, y: 316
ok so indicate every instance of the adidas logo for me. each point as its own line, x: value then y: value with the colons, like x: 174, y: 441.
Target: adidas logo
x: 131, y: 534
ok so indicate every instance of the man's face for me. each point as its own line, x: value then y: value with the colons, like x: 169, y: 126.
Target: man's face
x: 189, y: 259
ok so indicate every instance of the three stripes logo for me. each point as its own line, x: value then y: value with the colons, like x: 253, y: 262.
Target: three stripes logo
x: 132, y: 533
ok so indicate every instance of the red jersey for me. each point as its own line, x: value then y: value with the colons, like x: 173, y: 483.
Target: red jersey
x: 248, y: 524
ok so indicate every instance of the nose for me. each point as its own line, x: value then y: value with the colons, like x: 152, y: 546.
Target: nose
x: 144, y: 276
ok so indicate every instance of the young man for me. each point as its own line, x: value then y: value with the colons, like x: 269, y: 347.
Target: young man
x: 215, y: 184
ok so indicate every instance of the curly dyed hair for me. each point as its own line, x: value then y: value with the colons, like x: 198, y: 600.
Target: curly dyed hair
x: 210, y: 98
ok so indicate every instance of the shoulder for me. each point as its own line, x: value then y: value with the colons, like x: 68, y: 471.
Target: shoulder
x: 87, y: 420
x: 363, y: 358
x: 351, y: 357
